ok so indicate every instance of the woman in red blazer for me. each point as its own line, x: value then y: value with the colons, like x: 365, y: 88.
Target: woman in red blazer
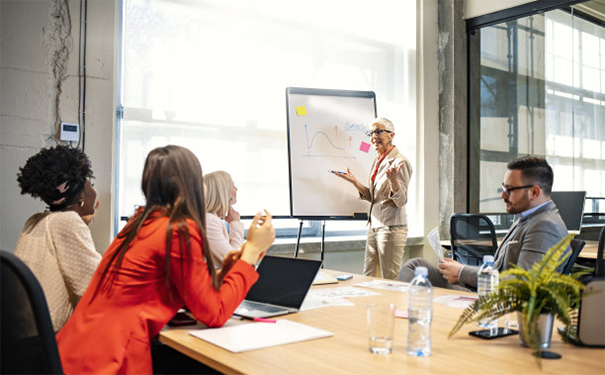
x: 158, y: 264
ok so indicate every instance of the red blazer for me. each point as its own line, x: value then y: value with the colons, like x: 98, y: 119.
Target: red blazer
x: 112, y: 333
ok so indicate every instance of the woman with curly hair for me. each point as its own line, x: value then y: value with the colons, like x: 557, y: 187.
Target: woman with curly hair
x: 159, y: 263
x: 56, y: 244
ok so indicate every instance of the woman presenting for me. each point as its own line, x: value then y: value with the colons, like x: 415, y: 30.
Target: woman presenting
x: 387, y: 194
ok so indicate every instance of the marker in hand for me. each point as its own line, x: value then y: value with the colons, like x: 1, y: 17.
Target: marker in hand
x: 339, y: 172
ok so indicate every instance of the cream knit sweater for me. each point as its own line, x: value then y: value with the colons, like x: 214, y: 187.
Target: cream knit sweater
x: 60, y: 252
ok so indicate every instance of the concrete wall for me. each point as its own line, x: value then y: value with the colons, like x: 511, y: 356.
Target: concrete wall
x: 452, y: 111
x: 32, y: 32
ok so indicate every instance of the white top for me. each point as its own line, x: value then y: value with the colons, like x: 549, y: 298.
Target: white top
x: 221, y: 241
x: 60, y: 252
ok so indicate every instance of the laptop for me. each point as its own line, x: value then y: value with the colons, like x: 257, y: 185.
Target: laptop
x: 281, y: 288
x: 571, y: 208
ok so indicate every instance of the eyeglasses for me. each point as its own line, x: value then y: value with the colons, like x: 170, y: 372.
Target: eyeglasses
x: 509, y: 189
x: 378, y: 132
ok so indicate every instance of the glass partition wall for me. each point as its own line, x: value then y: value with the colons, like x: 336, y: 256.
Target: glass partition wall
x: 537, y: 86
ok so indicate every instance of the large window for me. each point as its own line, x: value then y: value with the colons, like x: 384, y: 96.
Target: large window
x: 538, y: 87
x: 211, y: 76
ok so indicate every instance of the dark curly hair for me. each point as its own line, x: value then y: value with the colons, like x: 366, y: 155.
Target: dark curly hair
x: 45, y: 173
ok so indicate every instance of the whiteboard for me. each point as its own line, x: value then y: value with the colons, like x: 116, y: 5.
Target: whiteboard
x: 326, y: 131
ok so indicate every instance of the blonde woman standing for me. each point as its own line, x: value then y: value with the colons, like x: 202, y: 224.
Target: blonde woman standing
x: 221, y: 195
x: 387, y: 192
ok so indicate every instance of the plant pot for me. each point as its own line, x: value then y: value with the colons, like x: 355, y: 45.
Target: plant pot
x: 545, y: 323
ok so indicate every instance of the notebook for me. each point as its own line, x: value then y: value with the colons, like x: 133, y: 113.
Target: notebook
x: 323, y: 278
x: 281, y: 288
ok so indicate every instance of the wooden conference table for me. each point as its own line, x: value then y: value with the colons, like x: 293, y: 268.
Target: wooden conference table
x: 589, y: 251
x: 346, y: 352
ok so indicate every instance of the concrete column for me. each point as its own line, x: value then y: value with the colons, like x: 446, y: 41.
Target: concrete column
x: 453, y: 133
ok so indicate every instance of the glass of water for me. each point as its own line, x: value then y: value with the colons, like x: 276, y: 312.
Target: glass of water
x: 381, y: 327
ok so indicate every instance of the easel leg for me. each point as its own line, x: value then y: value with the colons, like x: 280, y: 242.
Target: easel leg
x: 323, y: 235
x: 300, y: 224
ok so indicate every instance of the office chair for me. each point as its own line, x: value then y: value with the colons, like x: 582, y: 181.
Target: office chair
x: 600, y: 264
x: 28, y: 338
x: 576, y: 248
x: 472, y: 236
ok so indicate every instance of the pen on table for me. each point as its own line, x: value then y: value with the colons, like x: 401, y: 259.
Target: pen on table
x: 264, y: 320
x: 339, y: 172
x: 260, y: 320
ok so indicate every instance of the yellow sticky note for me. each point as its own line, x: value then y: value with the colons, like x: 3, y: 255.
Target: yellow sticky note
x: 301, y: 111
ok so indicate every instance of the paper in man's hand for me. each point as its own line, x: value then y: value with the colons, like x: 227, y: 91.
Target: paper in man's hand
x: 435, y: 243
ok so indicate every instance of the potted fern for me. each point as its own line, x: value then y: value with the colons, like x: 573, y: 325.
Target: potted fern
x: 540, y: 290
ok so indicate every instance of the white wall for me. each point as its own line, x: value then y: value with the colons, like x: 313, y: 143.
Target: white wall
x: 475, y: 8
x: 26, y: 102
x: 427, y: 109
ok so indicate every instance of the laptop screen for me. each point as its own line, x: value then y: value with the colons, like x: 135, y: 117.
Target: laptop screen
x: 571, y: 208
x: 283, y: 281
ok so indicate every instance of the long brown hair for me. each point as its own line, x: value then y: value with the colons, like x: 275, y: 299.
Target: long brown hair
x: 173, y: 186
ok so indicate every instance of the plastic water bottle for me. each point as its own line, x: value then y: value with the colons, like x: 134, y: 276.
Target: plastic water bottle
x: 487, y: 281
x: 420, y: 314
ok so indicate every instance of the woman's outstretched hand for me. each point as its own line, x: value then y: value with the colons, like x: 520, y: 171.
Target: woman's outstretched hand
x: 348, y: 175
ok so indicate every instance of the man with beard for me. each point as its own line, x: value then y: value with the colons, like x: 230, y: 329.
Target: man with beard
x: 526, y: 192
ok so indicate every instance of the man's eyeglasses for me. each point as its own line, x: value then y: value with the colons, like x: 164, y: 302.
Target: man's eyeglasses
x: 509, y: 189
x: 378, y: 132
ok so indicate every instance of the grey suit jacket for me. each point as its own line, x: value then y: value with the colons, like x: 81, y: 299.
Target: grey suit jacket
x: 525, y: 243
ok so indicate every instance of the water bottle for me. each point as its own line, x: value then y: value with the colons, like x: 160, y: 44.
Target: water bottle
x: 420, y: 314
x: 487, y: 281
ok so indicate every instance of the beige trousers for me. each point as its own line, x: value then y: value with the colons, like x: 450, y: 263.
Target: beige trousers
x: 384, y: 251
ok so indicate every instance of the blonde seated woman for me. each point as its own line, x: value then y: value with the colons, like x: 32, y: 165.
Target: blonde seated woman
x: 221, y: 195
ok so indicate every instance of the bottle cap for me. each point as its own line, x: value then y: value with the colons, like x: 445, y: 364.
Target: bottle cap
x: 421, y: 271
x: 488, y: 259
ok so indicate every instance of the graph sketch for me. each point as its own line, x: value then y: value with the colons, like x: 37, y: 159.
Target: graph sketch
x: 326, y: 131
x: 323, y: 136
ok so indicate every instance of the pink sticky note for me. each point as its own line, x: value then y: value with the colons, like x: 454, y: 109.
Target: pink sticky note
x: 402, y: 314
x: 365, y: 147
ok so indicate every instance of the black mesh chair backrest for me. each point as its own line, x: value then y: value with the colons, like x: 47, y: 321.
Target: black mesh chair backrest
x: 576, y: 248
x: 472, y: 236
x: 600, y: 264
x: 28, y: 340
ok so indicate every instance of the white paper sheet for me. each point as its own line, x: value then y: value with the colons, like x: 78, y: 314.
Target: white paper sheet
x: 452, y: 300
x: 435, y: 243
x: 392, y: 285
x: 256, y: 335
x: 318, y: 301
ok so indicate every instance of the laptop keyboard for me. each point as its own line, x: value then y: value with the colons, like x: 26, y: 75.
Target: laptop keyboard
x: 259, y: 307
